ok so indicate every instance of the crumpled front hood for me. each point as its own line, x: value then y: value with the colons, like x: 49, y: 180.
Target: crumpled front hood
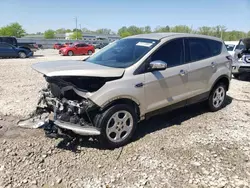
x: 76, y: 68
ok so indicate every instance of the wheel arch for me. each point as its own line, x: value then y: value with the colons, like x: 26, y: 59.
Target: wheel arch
x: 224, y: 79
x: 123, y: 100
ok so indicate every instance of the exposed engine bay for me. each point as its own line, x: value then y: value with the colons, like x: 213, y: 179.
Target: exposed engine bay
x: 65, y: 99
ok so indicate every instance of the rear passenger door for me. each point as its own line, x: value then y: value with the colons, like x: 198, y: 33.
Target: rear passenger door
x: 201, y: 54
x: 84, y: 48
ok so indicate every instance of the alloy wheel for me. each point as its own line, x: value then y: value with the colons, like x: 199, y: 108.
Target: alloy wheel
x: 218, y: 97
x: 119, y: 126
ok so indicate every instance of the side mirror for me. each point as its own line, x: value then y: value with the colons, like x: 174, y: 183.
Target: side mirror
x: 157, y: 65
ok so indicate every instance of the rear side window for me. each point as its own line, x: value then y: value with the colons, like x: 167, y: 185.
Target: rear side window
x: 215, y: 47
x: 171, y: 53
x: 199, y: 49
x: 203, y: 48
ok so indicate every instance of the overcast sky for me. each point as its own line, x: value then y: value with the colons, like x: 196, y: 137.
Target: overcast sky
x: 41, y: 15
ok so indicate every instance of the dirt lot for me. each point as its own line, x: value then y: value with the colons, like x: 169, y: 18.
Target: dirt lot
x: 190, y: 147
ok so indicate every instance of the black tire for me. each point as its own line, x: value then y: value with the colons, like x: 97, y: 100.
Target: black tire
x: 22, y: 54
x: 70, y: 53
x: 90, y: 52
x: 213, y: 97
x: 104, y: 118
x: 236, y: 76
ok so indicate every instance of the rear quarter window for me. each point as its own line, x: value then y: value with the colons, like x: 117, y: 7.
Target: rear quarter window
x: 215, y: 47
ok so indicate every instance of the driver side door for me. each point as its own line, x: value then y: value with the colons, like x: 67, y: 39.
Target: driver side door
x: 169, y: 86
x: 7, y: 50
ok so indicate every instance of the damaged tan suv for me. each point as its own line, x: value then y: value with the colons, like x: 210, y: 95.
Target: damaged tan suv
x: 132, y: 79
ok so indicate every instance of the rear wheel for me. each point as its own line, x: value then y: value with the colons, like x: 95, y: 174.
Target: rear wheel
x: 217, y: 97
x: 90, y: 52
x: 70, y: 53
x: 22, y: 55
x: 117, y: 124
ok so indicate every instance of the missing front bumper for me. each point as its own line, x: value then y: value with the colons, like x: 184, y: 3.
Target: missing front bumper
x: 78, y: 129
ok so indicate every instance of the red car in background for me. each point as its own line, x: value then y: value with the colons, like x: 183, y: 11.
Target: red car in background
x: 77, y: 49
x: 57, y: 46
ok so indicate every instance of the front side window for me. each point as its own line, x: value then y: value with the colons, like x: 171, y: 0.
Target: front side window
x: 171, y: 53
x: 5, y: 46
x: 123, y: 53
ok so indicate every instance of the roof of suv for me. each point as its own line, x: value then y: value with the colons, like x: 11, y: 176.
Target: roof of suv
x: 159, y: 36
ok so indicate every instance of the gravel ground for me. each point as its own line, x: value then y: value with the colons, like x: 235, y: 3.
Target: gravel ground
x: 189, y: 147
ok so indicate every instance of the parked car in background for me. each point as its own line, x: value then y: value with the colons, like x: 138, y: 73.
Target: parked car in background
x: 32, y: 46
x: 67, y: 44
x: 232, y: 46
x: 8, y: 50
x: 101, y: 45
x: 58, y: 46
x: 77, y: 49
x: 242, y: 58
x: 133, y: 79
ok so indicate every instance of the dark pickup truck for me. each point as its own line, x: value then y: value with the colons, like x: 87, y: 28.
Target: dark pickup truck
x: 13, y: 41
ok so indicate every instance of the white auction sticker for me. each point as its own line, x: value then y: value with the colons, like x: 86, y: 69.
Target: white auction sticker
x: 146, y: 44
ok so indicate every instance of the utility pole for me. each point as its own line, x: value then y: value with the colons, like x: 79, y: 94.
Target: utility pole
x: 76, y: 28
x: 80, y: 31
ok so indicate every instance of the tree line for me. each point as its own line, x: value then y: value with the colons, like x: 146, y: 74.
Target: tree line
x: 15, y: 29
x: 217, y: 31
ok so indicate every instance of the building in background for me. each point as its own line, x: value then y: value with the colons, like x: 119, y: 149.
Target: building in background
x: 85, y: 37
x: 89, y: 38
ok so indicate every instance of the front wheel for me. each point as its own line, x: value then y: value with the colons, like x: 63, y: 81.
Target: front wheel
x: 217, y: 97
x: 117, y: 124
x: 70, y: 53
x: 22, y: 55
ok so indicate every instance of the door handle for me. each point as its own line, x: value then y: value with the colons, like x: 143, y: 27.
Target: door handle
x: 213, y: 64
x: 182, y: 73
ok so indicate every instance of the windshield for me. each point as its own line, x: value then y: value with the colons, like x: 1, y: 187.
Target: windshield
x: 230, y: 47
x: 123, y: 53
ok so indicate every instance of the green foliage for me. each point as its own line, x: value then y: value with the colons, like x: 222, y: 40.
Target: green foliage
x: 217, y: 31
x: 132, y: 30
x: 104, y: 31
x: 181, y: 29
x: 14, y: 29
x: 62, y: 31
x: 160, y: 29
x: 49, y: 34
x: 86, y: 30
x: 74, y: 30
x: 76, y: 35
x: 68, y: 30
